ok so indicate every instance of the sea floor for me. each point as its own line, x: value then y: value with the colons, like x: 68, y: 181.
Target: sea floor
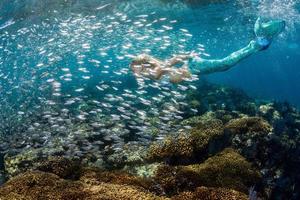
x: 235, y: 148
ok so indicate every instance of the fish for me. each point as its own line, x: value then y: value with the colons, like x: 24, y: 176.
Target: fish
x: 7, y: 24
x: 104, y: 6
x: 79, y: 73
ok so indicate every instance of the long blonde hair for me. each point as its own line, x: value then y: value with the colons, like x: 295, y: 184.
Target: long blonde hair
x: 140, y: 62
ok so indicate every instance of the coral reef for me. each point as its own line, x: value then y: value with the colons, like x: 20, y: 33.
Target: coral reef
x: 248, y: 124
x: 214, y: 155
x: 204, y: 138
x: 214, y: 98
x: 131, y: 154
x: 172, y: 149
x: 273, y: 149
x: 207, y: 136
x: 145, y: 170
x: 29, y: 159
x: 205, y: 193
x: 227, y: 169
x: 95, y: 176
x: 205, y: 133
x: 95, y: 184
x: 42, y: 185
x: 62, y: 167
x: 15, y: 164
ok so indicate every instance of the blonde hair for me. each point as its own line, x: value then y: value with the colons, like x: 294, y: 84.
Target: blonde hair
x: 138, y: 63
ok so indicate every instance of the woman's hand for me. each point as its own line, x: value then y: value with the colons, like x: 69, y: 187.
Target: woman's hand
x: 194, y: 56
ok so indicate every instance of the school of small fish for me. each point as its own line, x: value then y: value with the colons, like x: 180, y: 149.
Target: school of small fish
x: 69, y: 75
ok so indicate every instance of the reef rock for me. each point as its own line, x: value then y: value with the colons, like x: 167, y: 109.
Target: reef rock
x: 227, y: 169
x: 60, y: 166
x: 205, y: 193
x: 41, y: 185
x: 28, y: 159
x: 15, y: 164
x: 131, y: 154
x: 250, y: 136
x: 248, y: 124
x: 36, y: 185
x: 205, y: 137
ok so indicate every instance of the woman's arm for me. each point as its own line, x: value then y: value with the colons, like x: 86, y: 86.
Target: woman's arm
x: 177, y: 59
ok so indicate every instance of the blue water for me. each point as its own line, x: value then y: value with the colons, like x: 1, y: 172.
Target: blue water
x: 57, y: 56
x: 66, y: 87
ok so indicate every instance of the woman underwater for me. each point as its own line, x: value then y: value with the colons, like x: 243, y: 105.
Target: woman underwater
x: 147, y: 66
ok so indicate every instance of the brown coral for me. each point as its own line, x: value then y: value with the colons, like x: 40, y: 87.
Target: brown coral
x: 197, y: 143
x: 206, y: 131
x: 60, y: 166
x: 227, y: 169
x: 70, y: 169
x: 41, y: 185
x: 248, y: 124
x: 94, y: 176
x: 96, y: 184
x: 38, y: 185
x: 205, y: 193
x: 178, y: 147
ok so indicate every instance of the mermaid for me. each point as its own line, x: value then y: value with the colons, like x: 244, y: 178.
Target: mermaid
x: 147, y: 66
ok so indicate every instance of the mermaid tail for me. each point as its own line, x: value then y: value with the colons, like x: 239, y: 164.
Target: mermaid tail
x: 266, y: 31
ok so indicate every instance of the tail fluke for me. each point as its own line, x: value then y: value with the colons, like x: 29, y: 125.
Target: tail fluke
x: 268, y: 29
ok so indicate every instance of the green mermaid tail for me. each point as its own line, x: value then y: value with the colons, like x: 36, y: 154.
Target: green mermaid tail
x: 269, y: 29
x: 265, y: 32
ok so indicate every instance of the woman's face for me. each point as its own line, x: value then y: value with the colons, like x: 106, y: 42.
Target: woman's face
x: 139, y: 66
x: 136, y: 67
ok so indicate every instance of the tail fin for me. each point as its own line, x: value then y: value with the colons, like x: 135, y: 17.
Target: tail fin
x: 269, y: 29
